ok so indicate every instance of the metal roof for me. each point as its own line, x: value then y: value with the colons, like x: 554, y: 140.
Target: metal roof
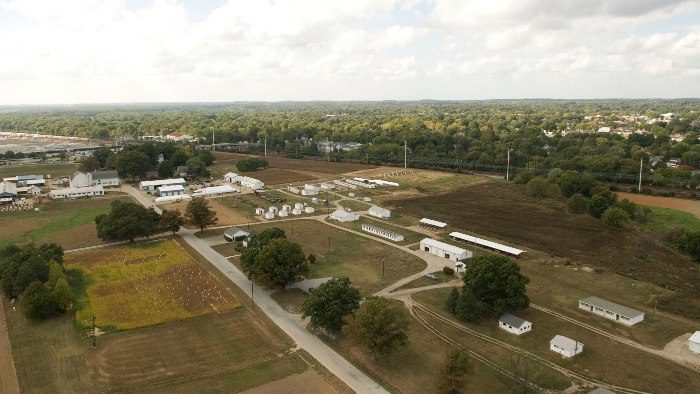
x: 565, y: 343
x: 444, y: 246
x: 235, y: 230
x: 170, y: 188
x: 160, y: 182
x: 106, y: 174
x: 487, y: 243
x: 512, y: 320
x: 431, y: 222
x: 612, y: 307
x: 695, y: 337
x: 377, y: 209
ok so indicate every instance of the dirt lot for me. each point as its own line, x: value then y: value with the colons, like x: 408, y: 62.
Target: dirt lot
x: 308, y: 166
x: 692, y: 206
x: 505, y: 212
x: 295, y: 384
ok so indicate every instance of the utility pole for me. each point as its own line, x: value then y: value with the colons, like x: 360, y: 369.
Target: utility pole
x: 252, y: 294
x: 213, y: 145
x: 508, y: 166
x: 405, y: 154
x: 328, y: 149
x: 266, y: 146
x: 641, y: 160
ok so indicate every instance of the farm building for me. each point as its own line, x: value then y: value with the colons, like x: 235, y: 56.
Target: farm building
x: 235, y: 234
x: 286, y: 207
x: 77, y: 192
x: 379, y: 212
x: 175, y: 198
x: 460, y: 268
x: 358, y: 183
x: 269, y: 215
x: 394, y: 236
x: 344, y: 216
x: 514, y: 324
x: 309, y: 209
x: 293, y: 189
x: 8, y: 192
x: 181, y: 171
x: 366, y: 199
x: 272, y: 209
x: 149, y: 186
x: 296, y: 211
x: 327, y: 186
x: 694, y: 342
x: 450, y: 252
x: 252, y: 183
x: 383, y: 183
x: 611, y: 310
x: 309, y: 190
x: 232, y: 177
x: 104, y: 178
x: 214, y: 190
x: 259, y: 211
x: 23, y: 180
x: 283, y: 213
x: 343, y: 184
x: 299, y: 206
x: 487, y: 244
x: 430, y: 223
x: 567, y: 347
x: 169, y: 190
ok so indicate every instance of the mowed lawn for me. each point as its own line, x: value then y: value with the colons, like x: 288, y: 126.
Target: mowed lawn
x: 340, y: 253
x: 217, y: 353
x: 143, y: 284
x: 70, y: 223
x: 410, y: 237
x: 666, y: 219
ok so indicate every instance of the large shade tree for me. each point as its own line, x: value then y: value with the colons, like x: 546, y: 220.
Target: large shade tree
x: 126, y: 221
x: 497, y: 282
x: 330, y: 302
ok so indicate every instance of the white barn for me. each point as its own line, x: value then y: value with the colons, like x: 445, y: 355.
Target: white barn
x: 394, y: 236
x: 77, y: 192
x: 567, y: 347
x: 309, y: 209
x: 694, y: 342
x: 444, y: 250
x: 342, y: 215
x: 170, y: 190
x: 259, y: 211
x: 214, y: 190
x: 104, y: 178
x: 231, y: 177
x: 309, y: 190
x: 514, y: 324
x: 149, y: 186
x: 269, y: 215
x: 379, y: 212
x: 252, y: 183
x: 611, y: 310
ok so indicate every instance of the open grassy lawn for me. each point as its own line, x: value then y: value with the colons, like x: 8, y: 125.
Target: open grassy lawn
x: 144, y: 284
x: 666, y: 219
x: 425, y: 281
x: 602, y: 358
x: 290, y: 299
x: 350, y: 255
x: 55, y: 170
x: 415, y: 368
x: 217, y: 353
x: 354, y: 205
x: 409, y: 236
x: 70, y: 223
x: 505, y: 212
x: 226, y: 210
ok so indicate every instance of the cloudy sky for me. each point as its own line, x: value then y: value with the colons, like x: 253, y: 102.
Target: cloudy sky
x: 83, y: 51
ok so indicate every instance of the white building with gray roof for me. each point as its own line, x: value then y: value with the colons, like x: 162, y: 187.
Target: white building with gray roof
x: 567, y: 347
x: 611, y: 310
x: 514, y: 324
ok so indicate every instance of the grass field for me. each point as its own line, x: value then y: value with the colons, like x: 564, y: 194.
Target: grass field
x: 409, y: 236
x: 505, y: 212
x: 666, y: 219
x: 425, y: 281
x: 144, y: 284
x: 354, y: 205
x: 601, y: 358
x: 70, y: 223
x: 219, y: 353
x: 350, y: 255
x: 305, y: 166
x: 55, y: 170
x: 229, y: 210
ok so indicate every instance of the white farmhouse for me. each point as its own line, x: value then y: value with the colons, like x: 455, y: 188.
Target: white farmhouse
x: 567, y: 347
x: 344, y: 216
x: 379, y: 212
x: 514, y: 324
x: 694, y: 342
x: 439, y: 248
x: 611, y: 310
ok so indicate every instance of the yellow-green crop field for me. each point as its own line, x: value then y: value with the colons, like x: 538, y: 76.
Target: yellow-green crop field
x: 144, y: 284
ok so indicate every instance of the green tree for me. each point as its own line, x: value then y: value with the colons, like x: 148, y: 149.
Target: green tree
x: 616, y: 217
x: 597, y: 204
x: 330, y: 303
x: 37, y: 302
x: 467, y: 308
x: 255, y: 245
x: 51, y: 251
x: 577, y: 203
x: 452, y: 378
x: 126, y: 221
x: 133, y: 163
x: 497, y: 282
x: 199, y: 214
x: 572, y: 182
x: 179, y: 158
x: 102, y: 155
x: 206, y: 157
x: 171, y: 220
x: 279, y: 263
x: 248, y: 164
x: 89, y: 164
x: 537, y: 187
x: 380, y: 325
x: 196, y: 168
x: 451, y: 301
x: 61, y: 294
x: 165, y: 169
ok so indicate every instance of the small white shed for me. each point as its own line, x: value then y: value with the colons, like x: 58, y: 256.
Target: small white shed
x: 342, y: 215
x: 694, y: 342
x: 514, y: 324
x: 269, y: 215
x: 259, y: 211
x: 296, y: 211
x: 283, y: 213
x: 567, y: 347
x: 299, y: 206
x: 379, y: 212
x: 309, y: 209
x: 273, y: 209
x: 286, y: 207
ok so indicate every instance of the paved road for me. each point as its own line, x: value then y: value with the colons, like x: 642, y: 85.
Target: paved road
x: 8, y: 375
x: 335, y: 363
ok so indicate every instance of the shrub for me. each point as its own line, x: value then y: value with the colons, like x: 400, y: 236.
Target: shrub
x: 577, y: 203
x: 597, y: 205
x: 448, y: 271
x: 616, y: 217
x: 249, y: 164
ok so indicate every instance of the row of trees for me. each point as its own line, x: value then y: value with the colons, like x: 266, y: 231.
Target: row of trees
x: 127, y: 221
x: 248, y: 164
x: 36, y: 275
